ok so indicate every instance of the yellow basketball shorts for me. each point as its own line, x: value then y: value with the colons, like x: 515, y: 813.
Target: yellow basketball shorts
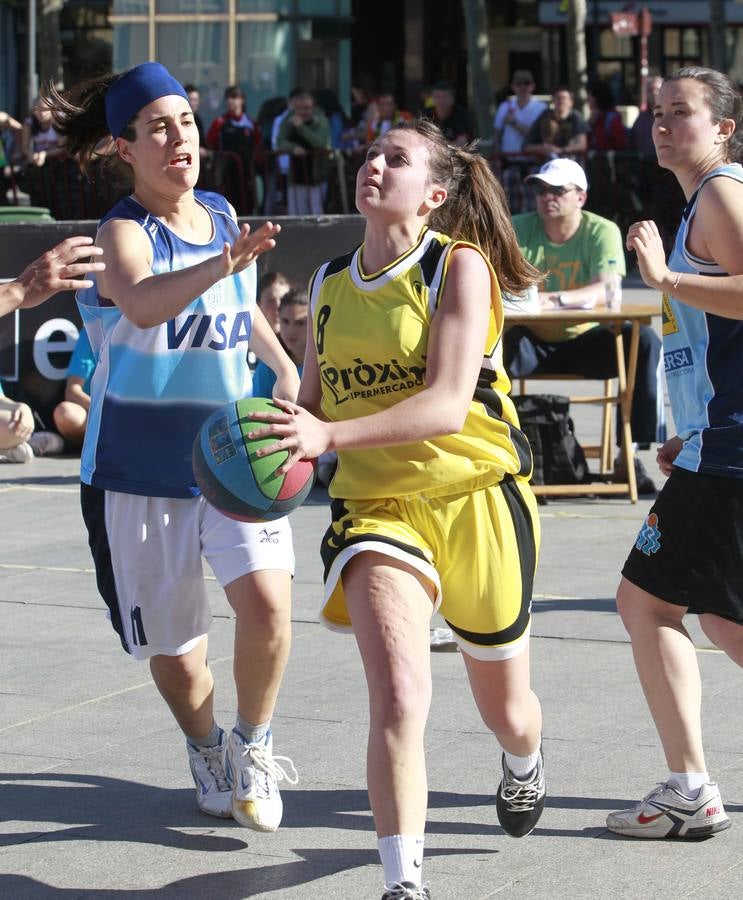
x: 478, y: 548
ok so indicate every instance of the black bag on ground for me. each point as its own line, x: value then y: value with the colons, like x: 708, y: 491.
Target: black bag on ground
x: 558, y: 457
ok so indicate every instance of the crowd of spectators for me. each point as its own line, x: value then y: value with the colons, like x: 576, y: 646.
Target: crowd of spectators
x: 297, y: 155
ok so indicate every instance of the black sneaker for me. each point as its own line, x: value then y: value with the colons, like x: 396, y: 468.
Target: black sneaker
x: 645, y: 484
x: 405, y: 890
x: 520, y: 803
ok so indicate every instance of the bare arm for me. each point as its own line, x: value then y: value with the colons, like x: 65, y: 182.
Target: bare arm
x: 717, y: 234
x: 578, y: 144
x: 266, y: 346
x: 540, y: 149
x: 74, y: 392
x: 7, y: 121
x: 147, y: 299
x: 310, y: 390
x: 585, y: 297
x: 59, y: 269
x: 454, y: 358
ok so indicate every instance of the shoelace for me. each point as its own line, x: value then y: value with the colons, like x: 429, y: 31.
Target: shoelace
x: 520, y: 797
x: 267, y: 763
x: 212, y: 757
x: 397, y: 891
x: 658, y: 789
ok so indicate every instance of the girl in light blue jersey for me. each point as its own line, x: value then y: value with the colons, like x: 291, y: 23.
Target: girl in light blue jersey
x: 170, y: 321
x: 688, y: 556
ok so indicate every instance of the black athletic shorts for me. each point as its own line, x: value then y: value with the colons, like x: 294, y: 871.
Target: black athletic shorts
x: 690, y: 548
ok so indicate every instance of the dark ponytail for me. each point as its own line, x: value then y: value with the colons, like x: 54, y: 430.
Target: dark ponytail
x: 476, y: 209
x: 79, y: 114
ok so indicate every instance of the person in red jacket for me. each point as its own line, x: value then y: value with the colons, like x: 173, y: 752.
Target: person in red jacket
x: 235, y: 132
x: 606, y: 129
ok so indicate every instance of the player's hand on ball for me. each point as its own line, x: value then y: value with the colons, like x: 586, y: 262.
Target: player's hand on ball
x: 247, y: 247
x: 301, y: 434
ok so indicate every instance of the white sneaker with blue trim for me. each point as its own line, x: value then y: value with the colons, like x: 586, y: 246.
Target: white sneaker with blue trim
x: 254, y: 773
x: 213, y: 789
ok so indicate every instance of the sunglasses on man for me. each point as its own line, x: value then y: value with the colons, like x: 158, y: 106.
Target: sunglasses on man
x: 540, y: 189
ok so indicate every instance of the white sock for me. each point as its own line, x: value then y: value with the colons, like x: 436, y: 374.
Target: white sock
x: 402, y: 858
x: 688, y: 783
x: 521, y: 766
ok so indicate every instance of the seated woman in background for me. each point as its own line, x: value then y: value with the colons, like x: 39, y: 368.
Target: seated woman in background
x: 39, y: 140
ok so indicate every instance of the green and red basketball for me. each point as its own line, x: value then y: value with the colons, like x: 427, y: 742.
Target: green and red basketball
x: 236, y: 481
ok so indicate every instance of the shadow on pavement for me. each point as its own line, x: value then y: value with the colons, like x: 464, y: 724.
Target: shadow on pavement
x: 233, y: 885
x: 31, y: 480
x: 580, y: 604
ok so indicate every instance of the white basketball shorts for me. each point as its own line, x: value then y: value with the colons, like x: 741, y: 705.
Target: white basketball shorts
x: 148, y: 559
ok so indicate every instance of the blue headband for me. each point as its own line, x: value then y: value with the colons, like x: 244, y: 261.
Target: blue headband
x: 133, y: 90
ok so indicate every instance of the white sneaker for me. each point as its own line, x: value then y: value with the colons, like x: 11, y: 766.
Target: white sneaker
x: 405, y: 890
x: 666, y: 813
x: 46, y: 443
x: 213, y: 789
x: 442, y: 641
x: 20, y: 454
x: 255, y: 772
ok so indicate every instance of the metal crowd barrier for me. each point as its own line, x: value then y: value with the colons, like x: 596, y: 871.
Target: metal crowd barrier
x: 623, y: 186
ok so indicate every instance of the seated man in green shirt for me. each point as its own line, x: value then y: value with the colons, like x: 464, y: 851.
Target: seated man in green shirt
x: 573, y: 248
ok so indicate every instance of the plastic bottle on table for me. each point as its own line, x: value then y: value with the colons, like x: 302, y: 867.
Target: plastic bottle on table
x: 612, y: 286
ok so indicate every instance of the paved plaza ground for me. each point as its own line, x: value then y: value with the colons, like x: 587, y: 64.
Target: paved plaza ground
x: 96, y: 800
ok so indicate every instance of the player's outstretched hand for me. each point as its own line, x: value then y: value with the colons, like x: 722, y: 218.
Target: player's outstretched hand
x: 667, y: 453
x: 60, y: 269
x: 300, y: 433
x: 248, y: 246
x: 644, y: 239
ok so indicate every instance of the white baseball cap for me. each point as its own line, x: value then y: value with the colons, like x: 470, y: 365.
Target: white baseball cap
x: 559, y: 173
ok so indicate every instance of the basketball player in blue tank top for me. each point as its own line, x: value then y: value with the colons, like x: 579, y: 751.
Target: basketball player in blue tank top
x: 688, y: 556
x: 169, y: 322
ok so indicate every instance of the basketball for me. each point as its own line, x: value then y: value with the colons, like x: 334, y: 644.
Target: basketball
x: 233, y: 479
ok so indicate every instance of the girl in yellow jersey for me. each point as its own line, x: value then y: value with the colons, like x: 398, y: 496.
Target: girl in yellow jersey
x: 431, y: 509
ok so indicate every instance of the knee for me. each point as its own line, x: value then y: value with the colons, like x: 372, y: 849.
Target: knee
x: 269, y: 614
x: 640, y: 611
x: 182, y: 672
x: 632, y: 611
x: 262, y: 601
x: 400, y: 696
x: 63, y: 416
x: 514, y: 718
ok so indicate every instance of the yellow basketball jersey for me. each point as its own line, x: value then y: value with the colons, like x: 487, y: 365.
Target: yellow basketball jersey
x: 371, y: 334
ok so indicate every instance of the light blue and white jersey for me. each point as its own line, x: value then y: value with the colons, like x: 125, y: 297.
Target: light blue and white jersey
x: 702, y: 355
x: 153, y: 387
